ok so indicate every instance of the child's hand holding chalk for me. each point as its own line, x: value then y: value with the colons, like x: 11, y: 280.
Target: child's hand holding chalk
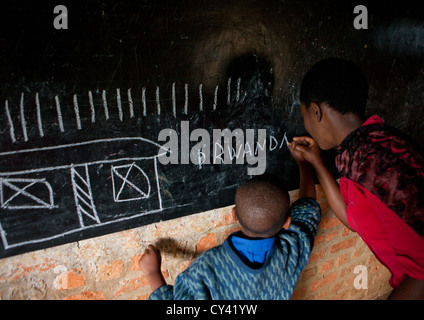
x: 307, y: 148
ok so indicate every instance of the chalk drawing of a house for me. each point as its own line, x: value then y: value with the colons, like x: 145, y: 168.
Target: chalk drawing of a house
x: 49, y: 192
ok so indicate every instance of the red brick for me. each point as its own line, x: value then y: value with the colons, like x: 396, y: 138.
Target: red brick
x: 357, y: 252
x: 317, y: 255
x: 70, y: 280
x: 326, y: 236
x: 309, y: 272
x: 206, y: 242
x: 23, y: 270
x: 108, y: 271
x: 144, y: 297
x: 131, y: 285
x: 326, y: 266
x: 87, y: 295
x: 342, y: 259
x: 318, y: 284
x: 345, y: 232
x: 343, y: 245
x: 319, y: 192
x: 336, y: 287
x: 329, y: 221
x: 346, y: 271
x: 325, y: 206
x: 321, y: 295
x: 228, y: 219
x: 375, y: 268
x: 135, y: 265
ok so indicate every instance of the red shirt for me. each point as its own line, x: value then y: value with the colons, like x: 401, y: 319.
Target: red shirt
x: 387, y: 214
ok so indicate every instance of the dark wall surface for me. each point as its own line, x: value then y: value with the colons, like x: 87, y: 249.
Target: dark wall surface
x: 83, y: 107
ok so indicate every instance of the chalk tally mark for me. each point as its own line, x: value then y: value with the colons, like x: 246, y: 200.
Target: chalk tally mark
x: 118, y: 102
x: 9, y: 119
x: 59, y: 114
x: 39, y: 121
x: 23, y: 121
x: 130, y: 103
x: 77, y: 114
x: 93, y: 112
x: 106, y: 110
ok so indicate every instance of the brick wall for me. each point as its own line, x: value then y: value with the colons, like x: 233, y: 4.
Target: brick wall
x: 107, y: 267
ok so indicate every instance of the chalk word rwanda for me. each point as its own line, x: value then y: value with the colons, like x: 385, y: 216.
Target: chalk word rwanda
x: 247, y: 148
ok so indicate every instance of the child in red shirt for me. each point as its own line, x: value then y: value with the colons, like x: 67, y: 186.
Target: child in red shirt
x: 381, y: 192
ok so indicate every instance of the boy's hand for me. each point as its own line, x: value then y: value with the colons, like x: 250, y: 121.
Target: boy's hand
x: 308, y: 148
x: 150, y: 261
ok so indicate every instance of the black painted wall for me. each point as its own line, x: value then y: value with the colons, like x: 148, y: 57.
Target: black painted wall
x: 177, y: 59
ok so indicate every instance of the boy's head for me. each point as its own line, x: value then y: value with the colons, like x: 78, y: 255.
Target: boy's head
x: 262, y: 207
x: 334, y: 86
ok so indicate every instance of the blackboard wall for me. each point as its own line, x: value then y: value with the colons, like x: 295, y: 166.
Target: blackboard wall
x: 83, y: 107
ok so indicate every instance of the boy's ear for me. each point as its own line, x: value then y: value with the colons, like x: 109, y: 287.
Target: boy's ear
x: 316, y: 111
x: 287, y: 223
x: 234, y: 214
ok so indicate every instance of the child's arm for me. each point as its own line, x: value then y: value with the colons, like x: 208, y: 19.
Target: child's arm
x: 409, y: 289
x: 311, y: 153
x: 307, y: 183
x: 150, y: 263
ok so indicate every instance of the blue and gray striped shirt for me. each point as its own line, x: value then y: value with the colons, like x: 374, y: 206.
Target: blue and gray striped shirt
x: 220, y: 273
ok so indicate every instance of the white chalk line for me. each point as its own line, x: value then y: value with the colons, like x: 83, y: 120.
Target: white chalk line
x: 158, y: 100
x: 186, y: 98
x: 10, y: 246
x: 76, y: 109
x: 77, y: 189
x: 23, y: 122
x: 105, y: 106
x: 59, y: 114
x: 9, y: 119
x: 200, y: 97
x: 174, y: 102
x: 130, y: 103
x: 10, y: 183
x: 125, y: 181
x: 39, y: 122
x: 118, y: 102
x: 143, y: 97
x: 93, y: 111
x: 215, y: 98
x: 84, y: 227
x: 72, y: 145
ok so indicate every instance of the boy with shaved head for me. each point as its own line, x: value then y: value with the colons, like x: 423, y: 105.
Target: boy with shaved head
x: 263, y: 260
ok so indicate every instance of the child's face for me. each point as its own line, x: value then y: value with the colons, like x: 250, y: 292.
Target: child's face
x: 314, y: 124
